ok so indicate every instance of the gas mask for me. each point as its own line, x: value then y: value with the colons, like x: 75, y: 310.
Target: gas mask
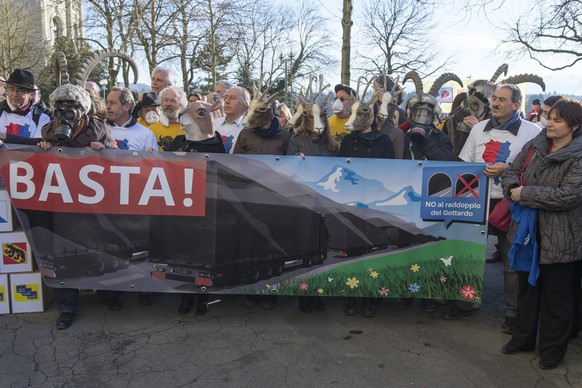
x: 476, y: 105
x: 68, y: 115
x: 152, y: 117
x: 337, y: 106
x: 421, y: 118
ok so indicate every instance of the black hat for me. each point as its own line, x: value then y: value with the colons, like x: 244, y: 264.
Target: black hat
x: 21, y: 78
x: 149, y: 99
x: 346, y: 89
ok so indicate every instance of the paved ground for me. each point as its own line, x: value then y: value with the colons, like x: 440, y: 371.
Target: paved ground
x: 231, y: 346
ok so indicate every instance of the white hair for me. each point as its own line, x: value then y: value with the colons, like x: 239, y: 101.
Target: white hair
x: 70, y: 92
x: 182, y: 98
x: 168, y: 72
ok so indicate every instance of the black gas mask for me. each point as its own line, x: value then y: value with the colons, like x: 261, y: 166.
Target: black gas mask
x: 421, y: 118
x: 68, y: 115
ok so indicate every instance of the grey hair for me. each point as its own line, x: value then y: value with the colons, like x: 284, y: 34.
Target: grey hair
x: 182, y: 98
x: 125, y: 96
x: 224, y: 83
x: 246, y: 95
x: 515, y: 91
x: 164, y: 70
x: 70, y: 92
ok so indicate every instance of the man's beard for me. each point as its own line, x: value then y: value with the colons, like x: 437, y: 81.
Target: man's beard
x: 171, y: 114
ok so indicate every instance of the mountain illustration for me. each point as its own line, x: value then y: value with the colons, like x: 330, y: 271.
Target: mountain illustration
x: 344, y: 185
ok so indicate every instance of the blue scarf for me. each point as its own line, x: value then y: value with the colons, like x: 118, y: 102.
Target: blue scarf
x: 516, y: 116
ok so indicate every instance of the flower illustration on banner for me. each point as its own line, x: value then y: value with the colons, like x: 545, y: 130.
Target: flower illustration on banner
x: 468, y: 292
x: 415, y: 267
x: 384, y: 291
x: 353, y: 282
x: 304, y: 286
x: 320, y: 290
x: 443, y: 279
x: 329, y: 279
x: 413, y: 288
x: 268, y: 286
x: 374, y: 274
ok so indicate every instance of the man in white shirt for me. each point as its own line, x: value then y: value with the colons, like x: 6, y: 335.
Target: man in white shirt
x: 128, y: 134
x: 497, y: 142
x: 19, y: 117
x: 236, y: 103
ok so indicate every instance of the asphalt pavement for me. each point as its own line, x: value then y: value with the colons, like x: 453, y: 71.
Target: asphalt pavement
x: 230, y: 346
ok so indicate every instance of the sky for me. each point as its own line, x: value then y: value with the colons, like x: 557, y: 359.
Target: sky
x: 472, y: 42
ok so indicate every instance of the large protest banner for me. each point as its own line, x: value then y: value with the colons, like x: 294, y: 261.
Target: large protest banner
x: 187, y: 222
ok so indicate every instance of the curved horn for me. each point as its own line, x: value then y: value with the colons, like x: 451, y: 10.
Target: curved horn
x: 89, y: 64
x: 358, y: 86
x: 521, y: 78
x: 440, y: 81
x: 367, y: 86
x: 61, y: 69
x: 413, y: 75
x: 501, y: 69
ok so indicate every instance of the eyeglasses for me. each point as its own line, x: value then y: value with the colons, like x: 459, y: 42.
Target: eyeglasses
x: 17, y: 90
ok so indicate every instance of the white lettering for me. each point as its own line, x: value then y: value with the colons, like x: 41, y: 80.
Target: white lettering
x: 90, y: 183
x: 25, y: 180
x: 54, y: 170
x: 124, y: 172
x: 157, y: 174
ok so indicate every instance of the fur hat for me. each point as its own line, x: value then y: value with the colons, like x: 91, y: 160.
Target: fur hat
x: 70, y: 92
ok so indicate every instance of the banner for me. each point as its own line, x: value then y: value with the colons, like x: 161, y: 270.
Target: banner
x: 187, y: 222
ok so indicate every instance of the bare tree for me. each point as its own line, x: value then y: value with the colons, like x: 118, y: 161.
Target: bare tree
x: 110, y: 25
x: 552, y: 36
x: 19, y: 45
x: 400, y: 31
x: 154, y: 33
x: 313, y: 42
x: 263, y: 34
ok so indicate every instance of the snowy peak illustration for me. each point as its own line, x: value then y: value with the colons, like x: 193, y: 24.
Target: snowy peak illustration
x: 404, y: 197
x: 344, y: 185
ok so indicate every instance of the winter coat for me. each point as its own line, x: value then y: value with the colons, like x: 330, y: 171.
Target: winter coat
x: 94, y: 130
x: 435, y: 146
x: 263, y: 141
x: 367, y: 145
x: 553, y: 183
x: 212, y: 146
x: 298, y: 144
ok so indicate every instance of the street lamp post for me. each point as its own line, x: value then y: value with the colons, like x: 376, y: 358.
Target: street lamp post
x: 287, y: 61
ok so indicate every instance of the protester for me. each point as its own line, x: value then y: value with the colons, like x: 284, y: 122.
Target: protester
x: 345, y: 97
x: 173, y: 101
x: 496, y: 142
x: 549, y: 187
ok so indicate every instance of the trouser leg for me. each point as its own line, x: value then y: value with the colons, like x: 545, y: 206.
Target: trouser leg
x: 525, y: 331
x: 68, y: 300
x: 510, y: 279
x: 556, y: 311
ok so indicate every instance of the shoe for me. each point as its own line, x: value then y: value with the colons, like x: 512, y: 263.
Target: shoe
x: 146, y: 298
x: 456, y: 312
x: 508, y: 325
x: 428, y: 305
x: 368, y: 309
x: 404, y: 303
x: 318, y: 304
x: 267, y: 305
x: 251, y: 301
x: 548, y: 364
x: 202, y: 307
x: 350, y: 307
x: 186, y: 304
x: 305, y: 304
x: 65, y: 321
x: 512, y: 348
x: 495, y: 257
x: 113, y: 303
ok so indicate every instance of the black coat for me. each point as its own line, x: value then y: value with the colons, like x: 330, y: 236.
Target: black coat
x: 367, y: 145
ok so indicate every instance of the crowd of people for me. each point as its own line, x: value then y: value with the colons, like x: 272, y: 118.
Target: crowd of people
x: 538, y: 166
